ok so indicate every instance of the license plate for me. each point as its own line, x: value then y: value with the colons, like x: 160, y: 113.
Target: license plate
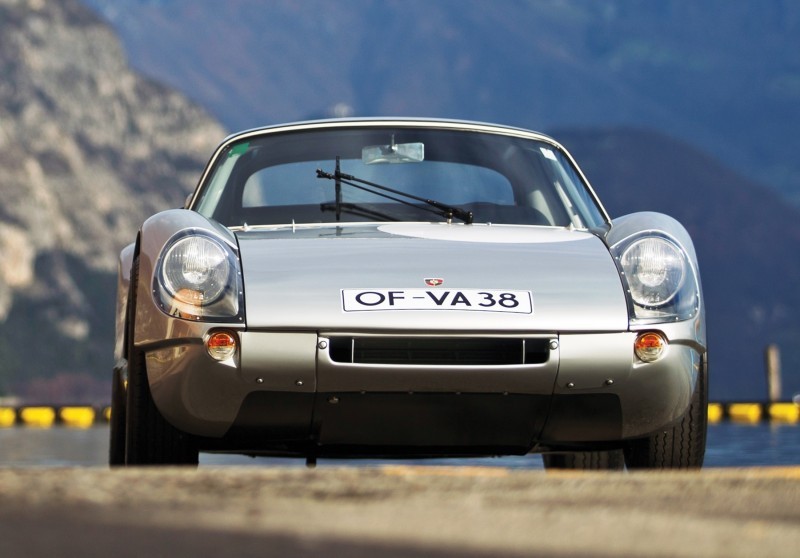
x: 472, y: 300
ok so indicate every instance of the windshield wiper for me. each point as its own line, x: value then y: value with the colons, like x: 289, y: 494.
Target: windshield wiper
x: 355, y: 209
x: 439, y: 208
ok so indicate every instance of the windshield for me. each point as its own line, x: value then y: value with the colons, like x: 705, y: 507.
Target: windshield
x: 296, y: 177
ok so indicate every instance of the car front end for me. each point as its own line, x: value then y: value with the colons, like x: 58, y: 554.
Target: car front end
x: 556, y: 330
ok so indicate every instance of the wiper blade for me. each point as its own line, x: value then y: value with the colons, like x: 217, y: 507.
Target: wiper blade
x: 440, y: 208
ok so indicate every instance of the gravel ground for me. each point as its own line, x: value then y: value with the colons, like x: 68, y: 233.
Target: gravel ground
x: 395, y: 511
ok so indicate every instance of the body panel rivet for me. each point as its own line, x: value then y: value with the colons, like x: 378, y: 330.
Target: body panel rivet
x: 333, y: 400
x: 570, y: 385
x: 609, y: 382
x: 299, y: 383
x: 259, y: 380
x: 553, y: 345
x: 322, y: 345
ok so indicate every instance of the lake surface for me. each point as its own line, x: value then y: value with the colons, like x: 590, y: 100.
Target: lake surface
x: 729, y: 445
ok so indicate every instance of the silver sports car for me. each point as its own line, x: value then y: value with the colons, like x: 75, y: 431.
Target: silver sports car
x: 407, y: 288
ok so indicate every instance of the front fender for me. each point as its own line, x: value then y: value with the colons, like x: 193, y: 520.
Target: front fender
x: 689, y: 333
x: 123, y: 285
x: 151, y: 324
x: 647, y: 221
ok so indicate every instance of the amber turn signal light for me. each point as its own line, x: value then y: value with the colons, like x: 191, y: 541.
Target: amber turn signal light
x: 221, y: 345
x: 650, y: 346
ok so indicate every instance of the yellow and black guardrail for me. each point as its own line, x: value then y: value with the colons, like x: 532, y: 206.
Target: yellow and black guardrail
x: 781, y: 412
x: 47, y: 416
x: 86, y: 416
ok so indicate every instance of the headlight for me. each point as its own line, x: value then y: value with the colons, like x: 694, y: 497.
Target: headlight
x: 195, y: 270
x: 198, y: 277
x: 656, y: 270
x: 662, y: 284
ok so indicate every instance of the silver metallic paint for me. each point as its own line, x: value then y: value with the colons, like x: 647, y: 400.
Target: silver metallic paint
x: 202, y: 396
x: 295, y: 283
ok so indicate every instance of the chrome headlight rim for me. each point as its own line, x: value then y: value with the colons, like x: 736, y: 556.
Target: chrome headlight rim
x: 222, y: 304
x: 643, y: 292
x: 683, y: 304
x: 219, y: 272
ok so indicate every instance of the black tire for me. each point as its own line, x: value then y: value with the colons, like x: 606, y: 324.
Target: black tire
x: 684, y: 445
x: 585, y: 460
x: 116, y: 446
x: 149, y: 438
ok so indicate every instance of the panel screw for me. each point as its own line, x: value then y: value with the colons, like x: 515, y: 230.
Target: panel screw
x: 609, y: 382
x: 333, y: 400
x: 553, y: 344
x: 570, y: 385
x: 259, y: 380
x: 322, y: 345
x: 299, y: 383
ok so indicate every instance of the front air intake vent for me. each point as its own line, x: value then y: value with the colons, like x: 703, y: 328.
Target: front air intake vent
x: 439, y: 351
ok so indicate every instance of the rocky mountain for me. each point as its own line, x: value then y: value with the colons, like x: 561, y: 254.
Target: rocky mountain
x: 88, y: 149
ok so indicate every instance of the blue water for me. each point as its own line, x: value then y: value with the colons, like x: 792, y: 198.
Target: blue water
x: 729, y: 445
x: 732, y: 445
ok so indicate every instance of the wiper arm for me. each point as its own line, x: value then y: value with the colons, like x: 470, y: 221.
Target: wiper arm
x: 355, y: 209
x: 442, y: 209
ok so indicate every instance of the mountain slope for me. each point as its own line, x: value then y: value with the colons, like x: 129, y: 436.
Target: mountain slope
x: 747, y: 240
x: 88, y: 149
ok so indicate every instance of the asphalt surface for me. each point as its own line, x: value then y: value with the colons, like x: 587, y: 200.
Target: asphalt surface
x: 395, y: 511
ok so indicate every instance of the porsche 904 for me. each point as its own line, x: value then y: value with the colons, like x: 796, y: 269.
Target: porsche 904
x: 407, y: 288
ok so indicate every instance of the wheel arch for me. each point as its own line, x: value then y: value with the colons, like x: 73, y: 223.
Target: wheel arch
x: 124, y: 267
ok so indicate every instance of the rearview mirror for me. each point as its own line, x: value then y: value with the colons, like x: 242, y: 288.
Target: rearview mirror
x: 393, y: 153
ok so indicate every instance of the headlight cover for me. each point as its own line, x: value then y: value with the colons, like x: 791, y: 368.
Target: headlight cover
x: 661, y: 281
x: 198, y: 277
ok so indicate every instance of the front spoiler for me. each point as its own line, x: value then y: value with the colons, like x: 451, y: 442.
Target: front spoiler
x: 284, y: 394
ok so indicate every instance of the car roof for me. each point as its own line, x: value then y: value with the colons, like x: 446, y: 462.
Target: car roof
x: 467, y: 125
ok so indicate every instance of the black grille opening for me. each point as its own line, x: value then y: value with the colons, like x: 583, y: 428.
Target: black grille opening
x: 439, y: 351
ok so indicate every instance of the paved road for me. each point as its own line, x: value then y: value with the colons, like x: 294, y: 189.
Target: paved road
x: 397, y: 511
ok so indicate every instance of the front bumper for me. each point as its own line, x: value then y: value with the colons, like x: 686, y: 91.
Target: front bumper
x: 285, y: 389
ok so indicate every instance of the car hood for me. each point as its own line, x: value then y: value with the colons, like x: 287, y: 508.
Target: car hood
x: 303, y: 278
